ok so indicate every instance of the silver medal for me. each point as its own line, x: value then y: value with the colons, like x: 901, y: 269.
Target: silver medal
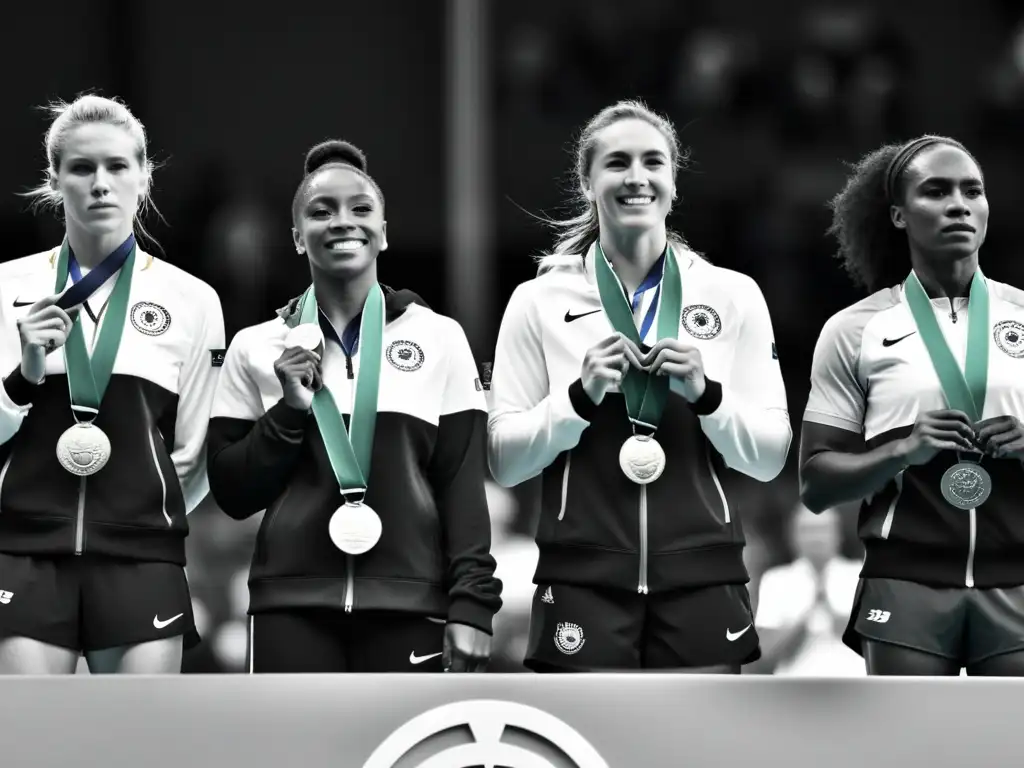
x: 642, y: 459
x: 305, y: 336
x: 83, y: 449
x: 355, y: 529
x: 966, y: 485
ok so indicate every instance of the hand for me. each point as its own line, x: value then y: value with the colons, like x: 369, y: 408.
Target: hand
x: 936, y: 431
x: 299, y: 372
x: 671, y: 357
x: 42, y: 330
x: 466, y: 649
x: 1001, y: 437
x: 606, y: 364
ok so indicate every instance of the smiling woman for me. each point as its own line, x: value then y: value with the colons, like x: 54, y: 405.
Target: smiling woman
x: 102, y: 446
x: 357, y: 420
x: 915, y: 409
x: 638, y: 406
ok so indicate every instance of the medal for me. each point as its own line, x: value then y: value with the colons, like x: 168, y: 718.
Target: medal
x: 642, y: 459
x: 83, y: 449
x: 965, y: 485
x: 305, y: 336
x: 354, y: 528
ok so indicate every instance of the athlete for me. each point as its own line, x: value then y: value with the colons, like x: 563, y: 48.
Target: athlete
x: 110, y: 358
x: 916, y: 396
x: 356, y: 419
x: 638, y: 380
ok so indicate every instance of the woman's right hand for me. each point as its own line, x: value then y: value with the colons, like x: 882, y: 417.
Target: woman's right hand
x: 934, y: 431
x: 606, y: 364
x: 298, y: 370
x: 44, y: 329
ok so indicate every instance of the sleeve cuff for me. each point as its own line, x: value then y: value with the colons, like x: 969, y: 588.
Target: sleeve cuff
x: 471, y: 613
x: 19, y: 390
x: 287, y: 418
x: 581, y: 402
x: 708, y: 402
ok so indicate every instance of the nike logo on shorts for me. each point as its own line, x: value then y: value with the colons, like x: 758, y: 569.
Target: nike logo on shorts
x: 732, y: 637
x: 414, y: 659
x: 569, y: 317
x: 161, y: 624
x: 890, y: 342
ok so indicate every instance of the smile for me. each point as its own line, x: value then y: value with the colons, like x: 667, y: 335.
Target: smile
x: 345, y: 245
x: 637, y: 201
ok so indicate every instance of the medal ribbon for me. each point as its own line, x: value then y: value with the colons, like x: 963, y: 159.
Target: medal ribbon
x: 645, y: 394
x: 964, y: 390
x: 89, y: 375
x: 350, y: 451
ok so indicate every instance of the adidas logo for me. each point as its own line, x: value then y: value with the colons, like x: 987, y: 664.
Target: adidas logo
x: 547, y: 597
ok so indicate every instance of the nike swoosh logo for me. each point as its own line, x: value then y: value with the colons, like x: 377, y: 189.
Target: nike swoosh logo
x: 890, y: 342
x: 161, y: 624
x: 732, y: 637
x: 23, y: 303
x: 414, y: 659
x: 569, y: 317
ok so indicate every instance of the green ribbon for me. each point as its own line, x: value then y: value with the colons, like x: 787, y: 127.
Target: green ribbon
x: 89, y: 375
x: 350, y: 451
x: 964, y: 390
x: 645, y: 394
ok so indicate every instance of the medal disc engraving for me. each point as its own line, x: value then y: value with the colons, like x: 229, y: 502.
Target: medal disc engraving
x: 966, y: 485
x: 642, y: 459
x: 83, y: 449
x: 355, y: 529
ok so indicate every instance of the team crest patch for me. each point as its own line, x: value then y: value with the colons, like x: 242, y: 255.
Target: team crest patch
x: 405, y: 355
x: 569, y: 637
x: 701, y: 321
x: 150, y: 319
x: 1009, y: 337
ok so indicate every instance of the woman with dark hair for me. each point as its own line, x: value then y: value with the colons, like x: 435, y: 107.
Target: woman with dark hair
x: 916, y: 395
x: 356, y: 419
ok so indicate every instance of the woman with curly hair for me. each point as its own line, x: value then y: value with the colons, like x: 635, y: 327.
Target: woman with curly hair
x: 915, y: 406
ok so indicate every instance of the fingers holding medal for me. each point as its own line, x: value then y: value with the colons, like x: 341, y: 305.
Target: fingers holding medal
x: 299, y: 366
x: 1001, y: 437
x: 671, y: 357
x: 607, y: 363
x: 42, y: 330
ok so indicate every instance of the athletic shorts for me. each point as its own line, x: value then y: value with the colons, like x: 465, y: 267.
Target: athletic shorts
x: 959, y: 623
x: 585, y: 629
x: 311, y: 640
x: 92, y: 602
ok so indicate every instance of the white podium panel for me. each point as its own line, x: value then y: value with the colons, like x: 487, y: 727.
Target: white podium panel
x: 517, y: 721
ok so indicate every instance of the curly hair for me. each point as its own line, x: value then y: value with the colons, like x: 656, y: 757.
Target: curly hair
x: 872, y: 250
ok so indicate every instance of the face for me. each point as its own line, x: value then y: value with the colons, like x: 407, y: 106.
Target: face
x: 340, y: 223
x: 631, y: 177
x: 816, y: 537
x: 944, y: 211
x: 100, y: 179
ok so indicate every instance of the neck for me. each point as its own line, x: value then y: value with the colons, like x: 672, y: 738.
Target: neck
x: 91, y: 249
x: 948, y: 279
x: 633, y: 255
x: 341, y: 299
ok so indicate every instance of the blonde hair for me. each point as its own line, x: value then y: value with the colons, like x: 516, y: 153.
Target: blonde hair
x: 86, y: 110
x: 579, y: 232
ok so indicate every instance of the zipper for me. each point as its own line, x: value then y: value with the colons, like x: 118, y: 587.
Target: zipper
x: 350, y: 561
x: 163, y: 482
x: 952, y: 307
x: 3, y: 473
x: 565, y: 484
x: 80, y: 524
x: 969, y: 576
x: 891, y: 513
x: 718, y: 487
x: 641, y: 586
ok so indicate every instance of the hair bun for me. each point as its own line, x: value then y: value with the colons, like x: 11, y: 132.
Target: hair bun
x: 335, y: 151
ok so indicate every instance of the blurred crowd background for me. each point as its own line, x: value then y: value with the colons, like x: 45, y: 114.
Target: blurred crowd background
x: 467, y: 110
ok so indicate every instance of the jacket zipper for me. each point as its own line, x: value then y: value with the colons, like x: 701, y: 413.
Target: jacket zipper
x: 565, y: 484
x: 80, y: 524
x: 641, y: 587
x: 350, y: 564
x: 718, y: 487
x: 969, y: 576
x: 163, y: 482
x: 3, y: 474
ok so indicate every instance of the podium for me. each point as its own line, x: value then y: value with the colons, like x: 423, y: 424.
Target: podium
x: 520, y: 721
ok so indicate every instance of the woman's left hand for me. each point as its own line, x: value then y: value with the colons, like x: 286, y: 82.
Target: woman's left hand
x: 1001, y: 437
x: 671, y: 357
x: 466, y: 649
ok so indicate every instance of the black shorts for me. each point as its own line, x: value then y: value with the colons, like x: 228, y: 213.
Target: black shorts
x: 586, y: 629
x: 963, y: 624
x: 91, y: 602
x: 324, y: 640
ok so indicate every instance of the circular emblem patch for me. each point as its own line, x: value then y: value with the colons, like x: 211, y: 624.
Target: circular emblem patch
x: 569, y: 637
x: 701, y: 321
x: 150, y: 319
x: 405, y: 355
x: 1009, y: 337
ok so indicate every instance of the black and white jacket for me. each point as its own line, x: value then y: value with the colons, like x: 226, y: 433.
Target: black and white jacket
x: 426, y: 479
x: 597, y: 527
x: 155, y: 412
